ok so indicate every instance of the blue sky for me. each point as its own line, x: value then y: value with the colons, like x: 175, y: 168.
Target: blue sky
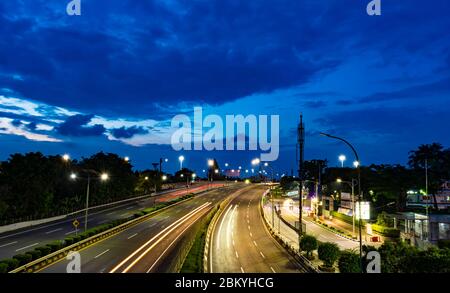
x: 112, y: 79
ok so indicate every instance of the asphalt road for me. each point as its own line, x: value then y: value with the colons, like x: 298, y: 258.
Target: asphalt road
x: 151, y: 246
x: 240, y: 243
x: 21, y: 241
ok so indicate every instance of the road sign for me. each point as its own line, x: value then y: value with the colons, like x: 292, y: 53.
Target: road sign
x: 76, y: 223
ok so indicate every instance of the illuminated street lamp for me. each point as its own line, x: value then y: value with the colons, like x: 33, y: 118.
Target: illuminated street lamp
x: 356, y: 164
x: 66, y: 157
x: 342, y: 158
x: 164, y: 178
x: 181, y: 159
x: 102, y: 177
x: 126, y: 159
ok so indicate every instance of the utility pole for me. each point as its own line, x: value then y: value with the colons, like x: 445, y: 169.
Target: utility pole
x: 301, y: 144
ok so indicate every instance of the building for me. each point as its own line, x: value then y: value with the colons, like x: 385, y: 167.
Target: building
x: 421, y: 199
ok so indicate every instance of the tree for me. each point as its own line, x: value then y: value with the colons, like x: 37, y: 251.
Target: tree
x: 438, y: 161
x: 349, y: 262
x: 308, y: 243
x: 328, y: 253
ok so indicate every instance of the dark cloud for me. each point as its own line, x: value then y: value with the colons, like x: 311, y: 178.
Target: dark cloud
x: 77, y: 126
x: 129, y: 132
x: 315, y: 104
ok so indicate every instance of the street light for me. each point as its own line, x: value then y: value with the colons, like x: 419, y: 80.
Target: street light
x: 342, y: 158
x: 359, y: 191
x: 356, y: 164
x: 66, y: 157
x: 103, y: 177
x: 126, y: 159
x: 164, y: 178
x: 181, y: 159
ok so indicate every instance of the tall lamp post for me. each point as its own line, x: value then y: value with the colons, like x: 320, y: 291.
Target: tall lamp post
x: 181, y: 159
x: 102, y: 177
x: 357, y: 164
x: 342, y: 158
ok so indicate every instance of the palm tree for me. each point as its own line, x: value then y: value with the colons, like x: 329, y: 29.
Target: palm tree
x: 433, y: 156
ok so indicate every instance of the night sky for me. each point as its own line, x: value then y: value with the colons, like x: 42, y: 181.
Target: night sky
x: 112, y: 79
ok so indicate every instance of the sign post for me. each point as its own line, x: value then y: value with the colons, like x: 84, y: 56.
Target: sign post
x: 75, y: 223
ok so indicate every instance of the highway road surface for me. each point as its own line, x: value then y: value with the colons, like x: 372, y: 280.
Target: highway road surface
x: 240, y: 243
x: 21, y: 241
x: 150, y: 246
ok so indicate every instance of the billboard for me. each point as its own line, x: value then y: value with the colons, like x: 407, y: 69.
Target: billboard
x: 365, y: 210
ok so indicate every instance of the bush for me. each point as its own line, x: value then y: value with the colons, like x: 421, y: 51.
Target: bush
x: 55, y: 246
x: 23, y: 258
x: 139, y: 214
x: 443, y: 243
x: 44, y: 250
x: 3, y: 268
x: 328, y: 253
x: 35, y: 254
x: 386, y: 231
x: 308, y: 243
x: 349, y: 262
x: 11, y: 263
x: 68, y: 241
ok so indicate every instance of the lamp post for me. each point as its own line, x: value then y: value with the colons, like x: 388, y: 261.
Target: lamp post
x: 102, y: 177
x: 342, y: 158
x: 181, y: 159
x: 358, y: 168
x: 161, y: 160
x: 353, y: 183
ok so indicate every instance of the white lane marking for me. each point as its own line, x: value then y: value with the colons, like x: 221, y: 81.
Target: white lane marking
x: 70, y: 232
x: 104, y: 221
x: 158, y: 237
x: 102, y: 253
x: 272, y: 269
x: 233, y: 242
x: 242, y: 270
x: 229, y: 226
x: 237, y: 255
x: 56, y: 230
x: 221, y: 224
x: 251, y: 235
x: 34, y: 244
x: 254, y: 242
x: 132, y: 235
x: 248, y: 221
x: 7, y: 244
x: 262, y: 254
x: 167, y: 248
x: 110, y: 213
x: 248, y: 227
x: 129, y: 208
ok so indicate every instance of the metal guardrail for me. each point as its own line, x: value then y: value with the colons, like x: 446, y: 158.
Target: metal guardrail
x: 303, y: 262
x: 47, y: 260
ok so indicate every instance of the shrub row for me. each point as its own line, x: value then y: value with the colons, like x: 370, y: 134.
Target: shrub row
x: 386, y: 231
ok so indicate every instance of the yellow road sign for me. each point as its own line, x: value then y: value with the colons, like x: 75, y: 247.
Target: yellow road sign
x: 76, y: 223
